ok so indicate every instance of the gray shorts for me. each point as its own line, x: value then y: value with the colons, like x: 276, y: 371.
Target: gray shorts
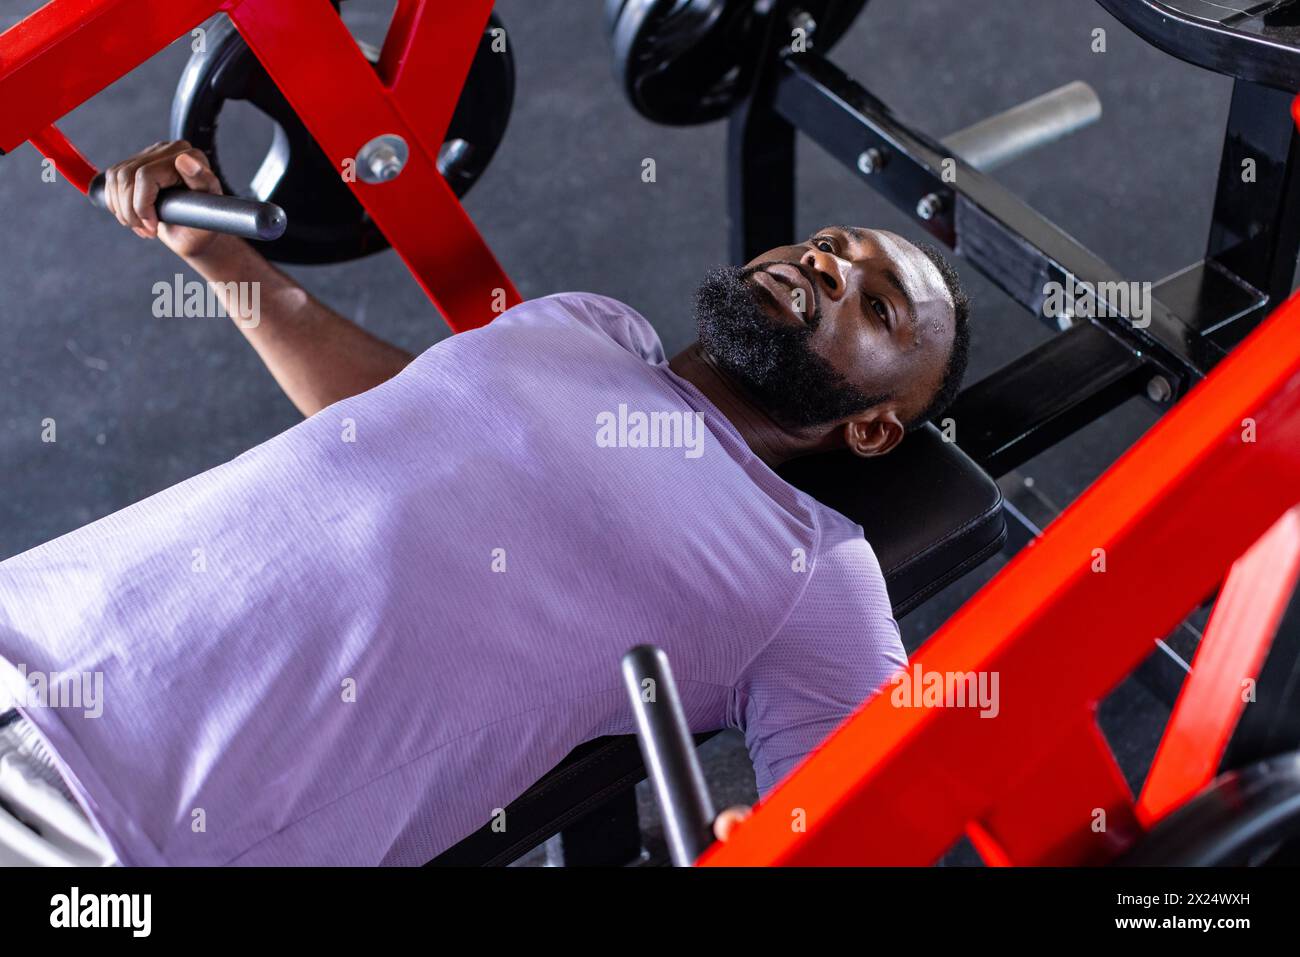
x: 40, y: 822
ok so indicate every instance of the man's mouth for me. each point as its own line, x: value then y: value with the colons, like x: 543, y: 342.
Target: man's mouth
x: 779, y: 281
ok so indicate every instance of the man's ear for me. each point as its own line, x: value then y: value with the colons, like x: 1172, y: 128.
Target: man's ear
x: 875, y: 433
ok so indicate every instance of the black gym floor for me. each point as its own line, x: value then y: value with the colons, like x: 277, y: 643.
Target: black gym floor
x: 142, y: 403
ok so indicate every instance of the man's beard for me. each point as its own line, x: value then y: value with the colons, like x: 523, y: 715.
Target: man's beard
x: 771, y: 360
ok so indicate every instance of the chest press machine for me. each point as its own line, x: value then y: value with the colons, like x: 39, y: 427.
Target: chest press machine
x: 419, y: 119
x: 683, y: 62
x: 1225, y: 784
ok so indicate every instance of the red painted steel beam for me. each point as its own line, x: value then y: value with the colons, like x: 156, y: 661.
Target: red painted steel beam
x: 1078, y: 783
x: 342, y: 101
x: 423, y: 72
x: 1231, y: 653
x: 76, y: 169
x: 67, y: 51
x: 898, y: 785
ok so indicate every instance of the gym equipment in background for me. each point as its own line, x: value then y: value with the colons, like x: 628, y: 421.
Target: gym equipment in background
x: 682, y: 62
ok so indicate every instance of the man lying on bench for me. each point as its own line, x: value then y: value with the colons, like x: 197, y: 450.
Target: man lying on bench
x: 359, y: 641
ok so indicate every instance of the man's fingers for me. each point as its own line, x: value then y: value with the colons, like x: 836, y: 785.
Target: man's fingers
x: 124, y: 181
x: 149, y: 179
x: 724, y: 825
x: 197, y: 174
x: 111, y: 194
x: 131, y: 187
x: 122, y: 184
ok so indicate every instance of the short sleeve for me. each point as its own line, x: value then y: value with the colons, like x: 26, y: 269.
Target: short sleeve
x: 838, y: 646
x: 612, y: 320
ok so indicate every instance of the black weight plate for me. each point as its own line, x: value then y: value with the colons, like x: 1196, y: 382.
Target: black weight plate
x: 612, y: 9
x: 683, y: 62
x: 479, y: 123
x: 1244, y: 818
x: 326, y: 222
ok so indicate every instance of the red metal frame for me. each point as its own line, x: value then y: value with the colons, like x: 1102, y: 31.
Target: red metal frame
x: 1232, y: 651
x: 897, y: 785
x: 69, y: 50
x: 74, y: 167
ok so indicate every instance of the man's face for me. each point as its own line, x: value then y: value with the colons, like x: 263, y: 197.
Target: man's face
x: 850, y: 320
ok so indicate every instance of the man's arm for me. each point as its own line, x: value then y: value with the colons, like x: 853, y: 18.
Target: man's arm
x: 317, y: 356
x: 838, y: 647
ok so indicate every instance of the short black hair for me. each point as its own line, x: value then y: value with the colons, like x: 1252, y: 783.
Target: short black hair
x: 955, y: 369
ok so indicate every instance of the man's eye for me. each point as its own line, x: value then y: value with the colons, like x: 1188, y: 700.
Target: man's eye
x: 819, y: 243
x: 881, y: 310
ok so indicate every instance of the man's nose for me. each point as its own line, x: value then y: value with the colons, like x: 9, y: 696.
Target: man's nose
x: 830, y: 272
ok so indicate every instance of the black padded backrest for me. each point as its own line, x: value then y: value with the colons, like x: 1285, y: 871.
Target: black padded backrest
x: 930, y: 513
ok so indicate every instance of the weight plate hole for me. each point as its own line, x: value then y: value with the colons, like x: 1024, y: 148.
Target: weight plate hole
x: 245, y: 137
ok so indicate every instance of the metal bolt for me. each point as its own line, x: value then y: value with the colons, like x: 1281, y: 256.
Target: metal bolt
x: 384, y: 163
x: 1159, y: 389
x: 382, y: 159
x: 930, y: 206
x: 871, y: 161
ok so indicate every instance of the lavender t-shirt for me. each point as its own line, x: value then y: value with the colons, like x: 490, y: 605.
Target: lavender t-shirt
x: 358, y: 641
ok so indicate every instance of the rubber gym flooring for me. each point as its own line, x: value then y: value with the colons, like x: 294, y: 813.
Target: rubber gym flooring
x: 142, y: 403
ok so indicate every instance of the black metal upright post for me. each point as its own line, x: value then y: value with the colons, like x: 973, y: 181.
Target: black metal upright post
x: 760, y: 181
x: 760, y: 159
x: 1256, y: 227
